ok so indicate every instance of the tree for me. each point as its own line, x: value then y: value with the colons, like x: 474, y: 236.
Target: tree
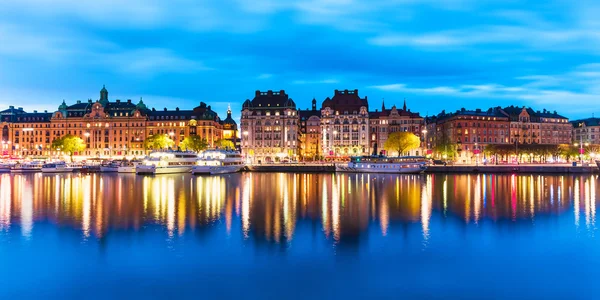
x: 158, y: 141
x: 401, y: 142
x: 224, y: 144
x: 194, y: 143
x: 445, y: 147
x: 68, y: 144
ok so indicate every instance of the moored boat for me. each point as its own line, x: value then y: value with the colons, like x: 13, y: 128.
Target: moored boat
x: 27, y: 167
x: 384, y: 164
x: 128, y: 166
x: 57, y: 167
x: 110, y: 167
x: 167, y: 162
x: 218, y: 162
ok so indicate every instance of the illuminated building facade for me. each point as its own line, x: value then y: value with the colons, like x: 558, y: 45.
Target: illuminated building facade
x: 387, y: 121
x: 269, y: 127
x: 310, y: 133
x: 345, y: 124
x: 108, y: 128
x: 586, y: 131
x: 538, y: 127
x: 469, y: 131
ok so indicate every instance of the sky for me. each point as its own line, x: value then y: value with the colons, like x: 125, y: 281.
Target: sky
x: 436, y: 54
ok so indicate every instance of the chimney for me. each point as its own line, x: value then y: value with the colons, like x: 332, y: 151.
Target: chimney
x: 269, y: 93
x: 78, y: 101
x: 20, y: 108
x: 257, y: 93
x: 118, y: 101
x: 35, y: 111
x: 128, y: 100
x: 176, y: 108
x: 282, y: 92
x: 165, y: 109
x: 11, y: 107
x: 45, y: 111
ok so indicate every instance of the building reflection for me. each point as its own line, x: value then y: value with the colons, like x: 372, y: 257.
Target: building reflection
x: 268, y: 208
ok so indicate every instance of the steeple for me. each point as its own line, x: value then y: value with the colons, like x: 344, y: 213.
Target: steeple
x: 314, y: 104
x: 382, y: 104
x: 404, y: 106
x: 229, y: 110
x: 103, y: 96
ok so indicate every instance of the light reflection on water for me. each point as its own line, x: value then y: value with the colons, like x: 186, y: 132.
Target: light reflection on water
x: 269, y: 205
x: 360, y: 235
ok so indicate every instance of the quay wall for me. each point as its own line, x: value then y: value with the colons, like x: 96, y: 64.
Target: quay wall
x: 329, y: 168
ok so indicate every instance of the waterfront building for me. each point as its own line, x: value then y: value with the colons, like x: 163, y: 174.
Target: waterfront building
x: 269, y: 126
x: 310, y: 133
x: 470, y: 131
x: 108, y: 128
x: 537, y: 127
x: 345, y: 125
x: 25, y: 133
x: 386, y: 121
x: 230, y: 129
x: 586, y: 131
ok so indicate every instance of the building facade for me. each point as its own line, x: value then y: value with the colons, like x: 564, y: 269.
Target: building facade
x: 269, y: 126
x: 586, y: 131
x: 310, y: 133
x: 538, y: 127
x: 386, y: 121
x: 470, y: 131
x: 108, y: 128
x: 345, y: 125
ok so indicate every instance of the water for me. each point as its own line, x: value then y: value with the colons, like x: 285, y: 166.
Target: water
x: 287, y: 236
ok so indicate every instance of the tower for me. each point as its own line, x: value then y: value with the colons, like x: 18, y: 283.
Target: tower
x: 103, y: 96
x: 404, y: 106
x: 314, y: 104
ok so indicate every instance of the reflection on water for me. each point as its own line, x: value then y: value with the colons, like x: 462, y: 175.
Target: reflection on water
x: 268, y: 207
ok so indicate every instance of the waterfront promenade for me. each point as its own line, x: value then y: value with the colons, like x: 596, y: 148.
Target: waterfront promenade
x: 521, y: 168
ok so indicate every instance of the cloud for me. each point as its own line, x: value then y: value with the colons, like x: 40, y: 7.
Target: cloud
x: 324, y: 81
x: 264, y: 76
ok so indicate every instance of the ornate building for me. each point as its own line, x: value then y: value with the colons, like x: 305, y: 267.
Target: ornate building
x: 310, y: 133
x: 542, y: 127
x: 269, y: 126
x: 117, y: 128
x: 345, y: 125
x: 586, y: 131
x: 391, y: 120
x: 230, y: 129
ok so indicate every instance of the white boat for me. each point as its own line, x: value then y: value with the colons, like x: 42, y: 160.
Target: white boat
x: 384, y: 164
x: 57, y: 167
x: 167, y: 162
x: 128, y: 166
x: 5, y: 167
x: 218, y: 162
x: 27, y: 167
x: 109, y: 167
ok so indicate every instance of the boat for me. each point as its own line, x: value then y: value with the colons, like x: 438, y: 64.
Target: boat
x: 128, y: 166
x: 27, y: 167
x: 92, y: 165
x: 5, y: 167
x: 109, y: 167
x: 167, y: 162
x: 57, y: 167
x: 218, y: 162
x: 384, y: 164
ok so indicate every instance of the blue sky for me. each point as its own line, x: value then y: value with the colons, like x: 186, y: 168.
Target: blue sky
x: 438, y: 54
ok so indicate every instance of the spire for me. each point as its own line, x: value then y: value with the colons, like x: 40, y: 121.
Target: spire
x: 229, y: 110
x: 404, y: 106
x: 382, y: 104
